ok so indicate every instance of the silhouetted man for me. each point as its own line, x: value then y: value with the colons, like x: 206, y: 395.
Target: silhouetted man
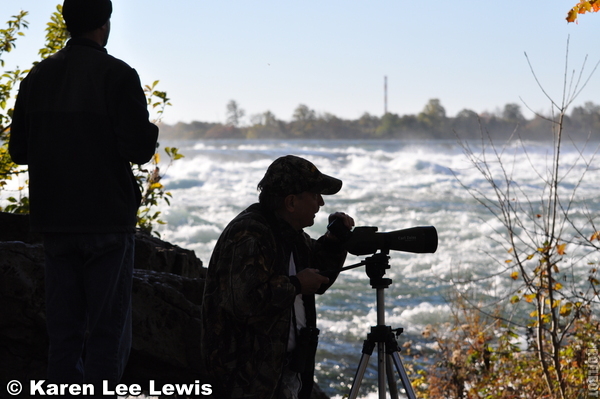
x: 80, y: 119
x: 259, y: 333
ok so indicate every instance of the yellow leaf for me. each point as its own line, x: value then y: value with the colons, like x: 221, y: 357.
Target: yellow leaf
x: 595, y: 236
x: 155, y: 186
x: 556, y: 303
x: 529, y: 297
x: 565, y: 309
x: 558, y: 286
x: 561, y: 249
x: 508, y: 261
x: 572, y: 15
x: 514, y: 275
x: 581, y: 8
x: 156, y: 158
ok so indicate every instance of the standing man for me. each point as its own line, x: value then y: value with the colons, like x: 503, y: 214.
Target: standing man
x: 79, y: 120
x: 259, y: 333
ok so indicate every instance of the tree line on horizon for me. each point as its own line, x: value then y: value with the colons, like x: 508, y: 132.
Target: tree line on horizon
x: 431, y: 123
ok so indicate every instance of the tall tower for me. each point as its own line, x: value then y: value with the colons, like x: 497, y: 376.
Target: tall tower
x: 385, y: 95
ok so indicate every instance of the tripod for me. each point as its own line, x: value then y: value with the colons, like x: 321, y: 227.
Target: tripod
x: 382, y: 335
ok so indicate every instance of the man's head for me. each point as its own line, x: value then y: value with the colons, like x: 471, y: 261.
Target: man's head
x: 293, y: 187
x: 83, y: 16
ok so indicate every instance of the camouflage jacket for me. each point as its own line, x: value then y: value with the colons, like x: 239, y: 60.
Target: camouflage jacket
x: 248, y: 297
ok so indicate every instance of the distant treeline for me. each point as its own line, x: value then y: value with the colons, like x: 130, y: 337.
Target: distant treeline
x: 432, y: 123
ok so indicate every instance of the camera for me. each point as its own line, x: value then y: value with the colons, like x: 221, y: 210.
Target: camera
x: 367, y: 240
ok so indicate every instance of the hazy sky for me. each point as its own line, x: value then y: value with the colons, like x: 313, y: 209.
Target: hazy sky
x: 332, y: 55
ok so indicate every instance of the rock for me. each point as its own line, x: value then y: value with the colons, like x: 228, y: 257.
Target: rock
x: 152, y: 253
x: 23, y: 339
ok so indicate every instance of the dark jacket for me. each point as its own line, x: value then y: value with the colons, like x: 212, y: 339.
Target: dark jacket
x: 248, y: 296
x: 79, y: 120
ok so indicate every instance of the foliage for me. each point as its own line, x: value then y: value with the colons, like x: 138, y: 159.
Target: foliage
x: 56, y: 34
x: 153, y: 191
x: 552, y: 244
x: 148, y: 177
x: 8, y: 81
x: 483, y: 356
x: 583, y: 7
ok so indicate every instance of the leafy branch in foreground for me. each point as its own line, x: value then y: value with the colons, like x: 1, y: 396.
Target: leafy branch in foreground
x: 148, y: 176
x: 8, y: 81
x: 583, y: 7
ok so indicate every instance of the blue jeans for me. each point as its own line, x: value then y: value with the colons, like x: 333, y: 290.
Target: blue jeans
x: 88, y: 306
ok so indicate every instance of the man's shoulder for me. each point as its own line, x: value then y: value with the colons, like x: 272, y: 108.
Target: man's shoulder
x: 253, y: 227
x: 84, y: 49
x: 114, y: 62
x: 252, y: 218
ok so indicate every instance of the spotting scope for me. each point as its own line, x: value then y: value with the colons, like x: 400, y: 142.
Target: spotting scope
x: 365, y: 240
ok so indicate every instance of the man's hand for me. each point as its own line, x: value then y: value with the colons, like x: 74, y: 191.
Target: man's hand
x: 310, y: 281
x: 340, y: 230
x: 346, y: 219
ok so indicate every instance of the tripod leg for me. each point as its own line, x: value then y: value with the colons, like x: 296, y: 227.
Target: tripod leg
x: 391, y: 378
x: 381, y: 361
x: 367, y: 351
x: 358, y: 377
x: 403, y: 376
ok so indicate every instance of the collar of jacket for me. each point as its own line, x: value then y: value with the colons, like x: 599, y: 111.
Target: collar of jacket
x: 81, y: 41
x: 280, y: 227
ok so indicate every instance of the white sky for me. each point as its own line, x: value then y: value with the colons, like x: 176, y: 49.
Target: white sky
x: 332, y: 55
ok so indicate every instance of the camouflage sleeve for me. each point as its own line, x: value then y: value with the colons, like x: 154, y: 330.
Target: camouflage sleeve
x: 257, y: 289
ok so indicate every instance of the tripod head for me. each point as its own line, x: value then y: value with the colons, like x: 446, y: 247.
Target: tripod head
x: 375, y: 267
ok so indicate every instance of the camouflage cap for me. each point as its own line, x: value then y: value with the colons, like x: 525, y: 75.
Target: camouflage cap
x: 293, y: 175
